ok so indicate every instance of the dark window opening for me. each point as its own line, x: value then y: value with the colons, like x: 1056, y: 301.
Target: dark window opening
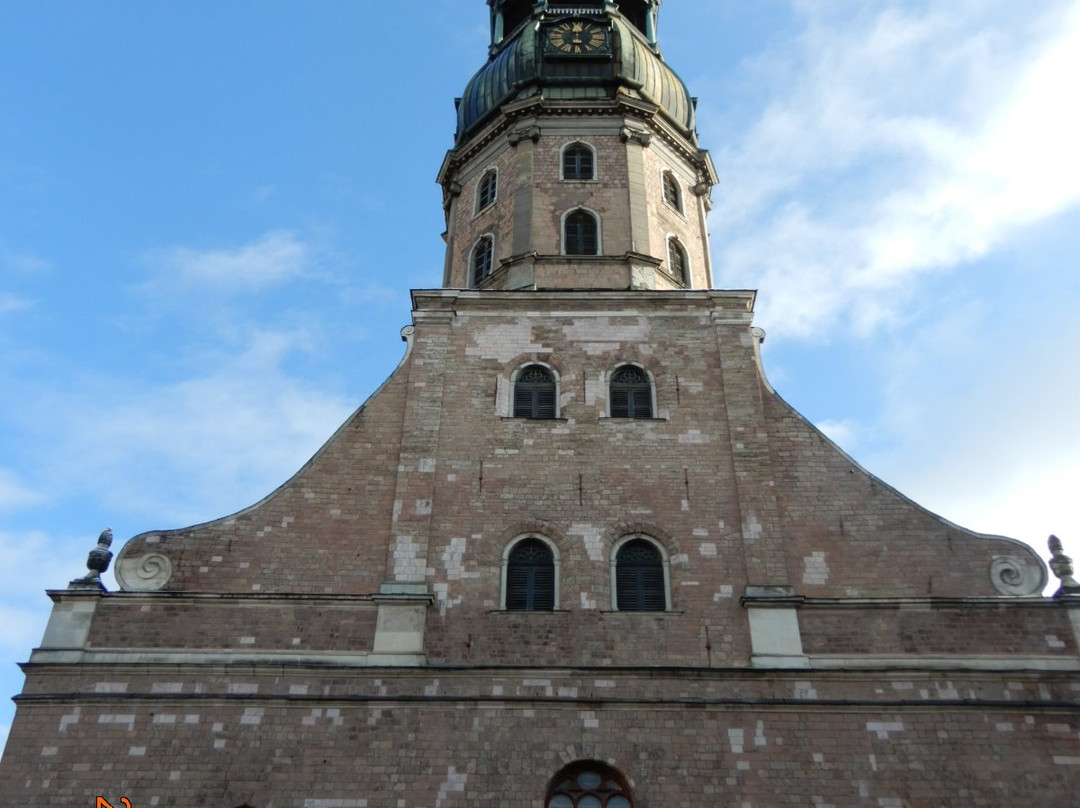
x: 578, y: 163
x: 631, y: 393
x: 482, y: 258
x: 672, y: 192
x: 582, y: 234
x: 530, y: 577
x: 639, y: 578
x: 677, y: 262
x: 485, y: 192
x: 534, y: 393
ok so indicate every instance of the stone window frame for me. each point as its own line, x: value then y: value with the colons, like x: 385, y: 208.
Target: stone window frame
x: 556, y: 558
x: 673, y: 240
x: 513, y: 386
x: 595, y: 162
x: 665, y: 562
x: 610, y: 374
x: 599, y: 232
x: 478, y: 207
x: 475, y: 282
x: 670, y: 181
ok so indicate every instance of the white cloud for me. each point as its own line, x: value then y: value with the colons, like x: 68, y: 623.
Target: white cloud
x: 899, y: 142
x: 195, y: 449
x: 12, y: 303
x: 274, y: 259
x: 14, y: 494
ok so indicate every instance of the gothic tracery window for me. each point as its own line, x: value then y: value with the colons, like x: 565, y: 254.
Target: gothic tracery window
x: 589, y: 785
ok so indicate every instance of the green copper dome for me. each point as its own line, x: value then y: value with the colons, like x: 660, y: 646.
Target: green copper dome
x: 519, y: 70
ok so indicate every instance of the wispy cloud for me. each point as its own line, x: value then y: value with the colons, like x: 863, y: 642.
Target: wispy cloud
x: 12, y: 303
x: 193, y: 449
x: 272, y: 260
x: 15, y: 494
x: 900, y: 141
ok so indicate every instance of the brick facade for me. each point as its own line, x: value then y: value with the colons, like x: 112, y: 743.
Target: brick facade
x: 344, y: 643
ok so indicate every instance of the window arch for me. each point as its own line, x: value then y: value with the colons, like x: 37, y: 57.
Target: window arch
x: 639, y: 576
x: 578, y: 162
x: 678, y: 262
x: 672, y: 191
x: 483, y: 257
x: 589, y: 784
x: 581, y: 233
x: 530, y: 576
x: 630, y: 393
x: 535, y: 393
x: 487, y: 189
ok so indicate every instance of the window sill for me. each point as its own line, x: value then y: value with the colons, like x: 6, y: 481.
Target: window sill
x: 560, y: 419
x: 628, y: 420
x: 528, y: 611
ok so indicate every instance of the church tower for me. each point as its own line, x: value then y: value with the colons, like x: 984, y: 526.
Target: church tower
x: 576, y: 163
x: 575, y: 552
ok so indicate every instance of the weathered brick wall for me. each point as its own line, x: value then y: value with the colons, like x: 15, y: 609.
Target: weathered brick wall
x: 938, y: 629
x: 496, y: 738
x: 241, y: 623
x: 848, y: 534
x: 324, y: 531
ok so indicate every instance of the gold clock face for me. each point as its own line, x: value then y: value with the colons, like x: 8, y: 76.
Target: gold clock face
x: 577, y: 37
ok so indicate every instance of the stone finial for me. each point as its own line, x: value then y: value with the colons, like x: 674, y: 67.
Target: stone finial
x: 97, y: 562
x: 1062, y: 566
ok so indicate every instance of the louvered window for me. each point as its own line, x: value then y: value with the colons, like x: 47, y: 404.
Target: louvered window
x: 486, y: 191
x: 677, y: 262
x: 534, y: 393
x: 530, y: 577
x: 672, y: 192
x: 578, y: 163
x: 589, y: 785
x: 631, y: 393
x: 581, y: 234
x: 482, y: 257
x: 639, y: 578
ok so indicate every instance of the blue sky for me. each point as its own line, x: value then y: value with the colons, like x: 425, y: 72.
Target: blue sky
x: 211, y: 214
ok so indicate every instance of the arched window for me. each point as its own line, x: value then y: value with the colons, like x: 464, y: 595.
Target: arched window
x: 581, y: 233
x: 589, y: 784
x: 678, y: 264
x: 530, y: 577
x: 672, y: 191
x: 482, y: 259
x: 630, y: 393
x: 534, y: 393
x: 578, y: 162
x: 639, y: 578
x: 487, y: 190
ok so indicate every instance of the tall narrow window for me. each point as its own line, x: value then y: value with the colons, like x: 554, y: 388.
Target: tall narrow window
x: 534, y: 393
x: 639, y: 578
x: 487, y: 190
x: 530, y: 577
x: 677, y: 261
x: 578, y: 162
x: 631, y: 393
x: 581, y: 233
x: 482, y: 257
x: 672, y: 191
x: 589, y: 784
